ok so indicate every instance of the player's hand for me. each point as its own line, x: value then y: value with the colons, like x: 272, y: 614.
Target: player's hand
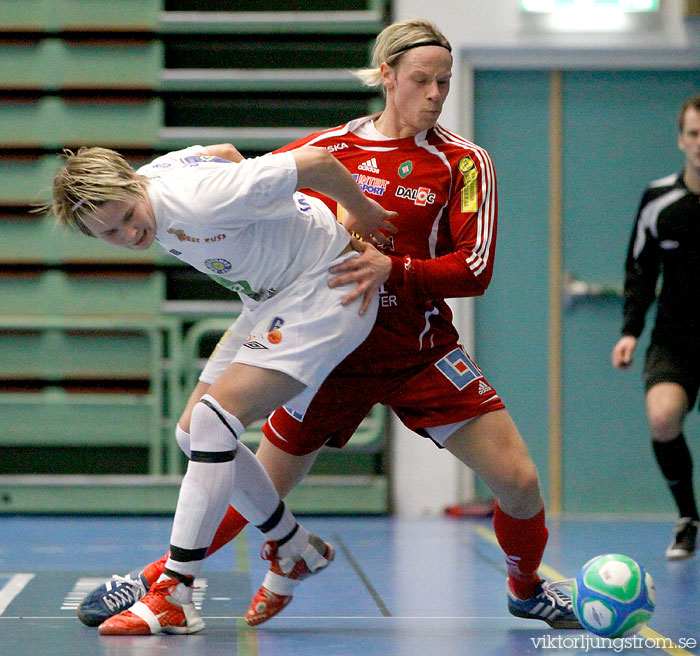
x: 369, y: 272
x: 370, y: 221
x: 623, y: 352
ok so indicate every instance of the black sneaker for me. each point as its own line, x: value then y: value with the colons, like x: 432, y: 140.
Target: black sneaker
x: 683, y: 545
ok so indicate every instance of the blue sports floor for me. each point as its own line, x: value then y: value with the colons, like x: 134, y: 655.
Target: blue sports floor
x: 427, y: 587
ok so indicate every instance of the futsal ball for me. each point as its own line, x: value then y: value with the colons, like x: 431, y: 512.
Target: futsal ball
x: 613, y: 596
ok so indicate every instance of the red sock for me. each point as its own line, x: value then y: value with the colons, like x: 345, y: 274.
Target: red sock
x: 231, y: 525
x: 523, y: 541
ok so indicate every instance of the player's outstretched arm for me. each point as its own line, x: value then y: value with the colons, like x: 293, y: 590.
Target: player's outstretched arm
x: 317, y: 169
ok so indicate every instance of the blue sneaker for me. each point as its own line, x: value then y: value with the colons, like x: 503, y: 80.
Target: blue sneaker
x: 547, y: 604
x: 114, y: 596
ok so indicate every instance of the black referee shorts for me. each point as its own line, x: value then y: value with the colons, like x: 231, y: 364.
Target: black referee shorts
x: 665, y: 364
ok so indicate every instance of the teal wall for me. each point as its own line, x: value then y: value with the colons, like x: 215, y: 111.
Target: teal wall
x: 619, y: 133
x: 510, y: 320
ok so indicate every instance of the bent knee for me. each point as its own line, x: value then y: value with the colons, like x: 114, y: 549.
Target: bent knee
x: 664, y: 424
x: 520, y: 494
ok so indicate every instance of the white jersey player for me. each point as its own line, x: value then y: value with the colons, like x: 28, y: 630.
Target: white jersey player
x: 243, y: 223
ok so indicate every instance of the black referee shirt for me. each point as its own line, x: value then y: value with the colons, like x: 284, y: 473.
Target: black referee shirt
x: 665, y: 241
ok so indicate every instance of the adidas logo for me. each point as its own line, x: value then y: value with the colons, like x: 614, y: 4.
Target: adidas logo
x: 370, y: 165
x: 484, y: 387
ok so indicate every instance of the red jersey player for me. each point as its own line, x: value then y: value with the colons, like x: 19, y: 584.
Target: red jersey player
x: 444, y: 190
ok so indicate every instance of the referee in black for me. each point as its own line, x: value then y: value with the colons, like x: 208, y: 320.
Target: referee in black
x: 665, y: 243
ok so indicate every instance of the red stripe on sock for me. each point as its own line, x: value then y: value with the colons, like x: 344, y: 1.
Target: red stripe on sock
x: 231, y: 525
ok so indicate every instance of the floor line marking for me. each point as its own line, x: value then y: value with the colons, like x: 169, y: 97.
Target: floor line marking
x: 246, y: 638
x: 303, y: 617
x: 12, y: 588
x: 551, y: 573
x: 363, y: 577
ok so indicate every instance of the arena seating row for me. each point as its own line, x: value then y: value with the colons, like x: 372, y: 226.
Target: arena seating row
x: 99, y: 347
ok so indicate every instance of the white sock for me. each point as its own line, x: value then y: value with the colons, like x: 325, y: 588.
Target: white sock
x: 207, y: 486
x: 183, y: 440
x: 181, y: 592
x: 255, y: 496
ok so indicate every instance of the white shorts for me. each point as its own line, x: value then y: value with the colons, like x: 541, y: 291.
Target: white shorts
x: 303, y: 331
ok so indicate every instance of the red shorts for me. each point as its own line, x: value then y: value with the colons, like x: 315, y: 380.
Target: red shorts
x: 446, y: 391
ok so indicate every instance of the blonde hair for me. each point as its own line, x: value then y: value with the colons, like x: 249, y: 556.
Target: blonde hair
x: 89, y: 178
x: 394, y: 41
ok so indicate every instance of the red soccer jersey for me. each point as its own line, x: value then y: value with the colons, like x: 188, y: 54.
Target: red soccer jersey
x: 444, y: 191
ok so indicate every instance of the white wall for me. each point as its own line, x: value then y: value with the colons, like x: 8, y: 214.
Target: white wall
x: 496, y: 33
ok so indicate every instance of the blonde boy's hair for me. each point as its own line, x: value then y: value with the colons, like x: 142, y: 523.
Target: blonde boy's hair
x: 394, y: 41
x: 89, y: 178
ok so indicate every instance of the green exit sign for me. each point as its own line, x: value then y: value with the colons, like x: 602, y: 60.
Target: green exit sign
x: 622, y: 5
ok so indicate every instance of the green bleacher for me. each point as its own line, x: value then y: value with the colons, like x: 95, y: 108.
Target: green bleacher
x: 99, y: 347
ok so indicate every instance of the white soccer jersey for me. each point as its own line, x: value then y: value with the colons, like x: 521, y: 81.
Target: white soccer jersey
x: 242, y: 224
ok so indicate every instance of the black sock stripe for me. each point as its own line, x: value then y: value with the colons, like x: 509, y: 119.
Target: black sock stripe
x: 187, y: 555
x: 219, y: 415
x: 182, y: 578
x: 273, y: 519
x: 212, y: 456
x: 289, y: 536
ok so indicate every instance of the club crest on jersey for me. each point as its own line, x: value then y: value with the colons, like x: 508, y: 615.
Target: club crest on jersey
x: 405, y: 168
x: 370, y: 165
x: 421, y: 196
x: 218, y: 265
x: 458, y: 368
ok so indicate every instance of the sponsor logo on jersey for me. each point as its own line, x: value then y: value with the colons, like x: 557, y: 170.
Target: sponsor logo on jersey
x: 276, y: 324
x: 175, y: 252
x: 215, y: 237
x: 458, y: 368
x: 182, y: 235
x: 335, y: 147
x: 470, y: 197
x: 196, y: 160
x: 467, y: 168
x: 405, y: 168
x: 370, y: 165
x: 274, y: 336
x: 218, y: 265
x: 161, y: 165
x: 254, y: 345
x: 669, y: 244
x: 370, y: 185
x: 421, y: 196
x: 386, y: 299
x: 484, y: 387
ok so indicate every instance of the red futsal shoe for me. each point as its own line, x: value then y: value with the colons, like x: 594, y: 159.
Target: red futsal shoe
x: 284, y: 575
x: 157, y: 612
